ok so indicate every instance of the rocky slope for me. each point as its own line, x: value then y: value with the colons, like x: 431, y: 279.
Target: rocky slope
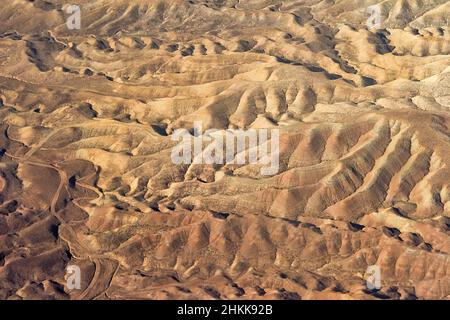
x: 85, y: 143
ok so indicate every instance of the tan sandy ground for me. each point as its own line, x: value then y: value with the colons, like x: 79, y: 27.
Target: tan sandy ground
x: 86, y: 176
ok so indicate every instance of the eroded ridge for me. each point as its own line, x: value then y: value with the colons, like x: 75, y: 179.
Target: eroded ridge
x: 87, y: 118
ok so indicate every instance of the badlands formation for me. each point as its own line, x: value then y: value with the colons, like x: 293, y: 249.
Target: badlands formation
x: 86, y: 176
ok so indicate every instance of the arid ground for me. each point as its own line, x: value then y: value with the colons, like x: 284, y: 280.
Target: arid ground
x: 86, y: 177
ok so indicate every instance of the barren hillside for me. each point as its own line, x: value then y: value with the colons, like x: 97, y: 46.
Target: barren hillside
x: 87, y: 117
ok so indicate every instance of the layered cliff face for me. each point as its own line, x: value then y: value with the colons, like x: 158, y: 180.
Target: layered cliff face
x: 87, y: 179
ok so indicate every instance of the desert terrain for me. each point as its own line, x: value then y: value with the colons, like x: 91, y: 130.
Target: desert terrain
x: 86, y: 177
